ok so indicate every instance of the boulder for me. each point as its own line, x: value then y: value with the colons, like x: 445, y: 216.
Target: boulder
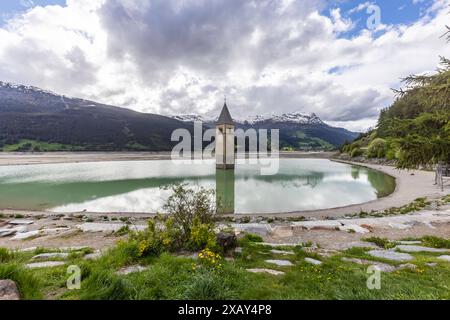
x: 9, y: 290
x: 226, y: 240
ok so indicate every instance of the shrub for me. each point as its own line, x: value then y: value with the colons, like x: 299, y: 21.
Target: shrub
x: 202, y: 236
x: 5, y: 255
x: 185, y: 205
x: 209, y: 259
x: 356, y: 153
x: 377, y: 148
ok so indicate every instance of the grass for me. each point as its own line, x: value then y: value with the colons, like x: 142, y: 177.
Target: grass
x: 172, y: 277
x: 381, y: 242
x: 39, y: 146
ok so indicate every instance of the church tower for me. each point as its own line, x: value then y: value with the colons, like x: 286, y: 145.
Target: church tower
x: 225, y: 140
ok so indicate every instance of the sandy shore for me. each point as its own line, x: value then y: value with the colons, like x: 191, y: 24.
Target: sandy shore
x: 410, y: 184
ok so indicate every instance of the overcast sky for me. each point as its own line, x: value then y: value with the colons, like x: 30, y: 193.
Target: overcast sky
x: 268, y: 56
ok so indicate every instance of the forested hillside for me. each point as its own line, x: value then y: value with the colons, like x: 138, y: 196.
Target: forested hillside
x: 415, y: 130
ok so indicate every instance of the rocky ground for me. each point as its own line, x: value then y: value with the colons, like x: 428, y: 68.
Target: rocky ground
x: 99, y: 232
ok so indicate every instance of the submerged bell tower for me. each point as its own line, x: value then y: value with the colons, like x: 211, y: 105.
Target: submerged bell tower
x: 225, y: 151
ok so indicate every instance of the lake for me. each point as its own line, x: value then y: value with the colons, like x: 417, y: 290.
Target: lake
x: 138, y: 186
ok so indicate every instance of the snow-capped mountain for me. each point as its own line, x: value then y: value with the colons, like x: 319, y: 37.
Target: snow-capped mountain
x: 294, y: 117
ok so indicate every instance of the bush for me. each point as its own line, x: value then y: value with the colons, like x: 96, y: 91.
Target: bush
x: 356, y: 153
x: 186, y: 205
x: 202, y: 236
x: 377, y: 148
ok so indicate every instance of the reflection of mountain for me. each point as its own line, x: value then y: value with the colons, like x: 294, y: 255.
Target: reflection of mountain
x: 288, y: 180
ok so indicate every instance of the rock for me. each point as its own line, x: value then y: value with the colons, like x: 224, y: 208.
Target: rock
x: 46, y: 264
x: 238, y: 250
x: 226, y: 240
x: 27, y: 249
x: 318, y: 225
x: 21, y: 222
x: 269, y: 271
x: 282, y: 232
x: 108, y: 227
x: 26, y: 235
x: 390, y: 255
x: 275, y: 245
x: 431, y: 264
x: 262, y: 229
x: 412, y: 248
x: 38, y: 233
x: 355, y: 228
x: 74, y: 248
x: 444, y: 257
x: 408, y: 242
x: 131, y: 269
x: 284, y: 253
x: 281, y: 263
x: 354, y: 244
x: 407, y: 266
x: 313, y: 261
x: 43, y: 256
x: 7, y: 232
x: 319, y: 251
x: 381, y: 266
x: 9, y: 290
x: 93, y: 256
x: 12, y: 231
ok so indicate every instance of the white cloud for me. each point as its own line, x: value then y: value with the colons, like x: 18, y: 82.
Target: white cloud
x: 181, y: 56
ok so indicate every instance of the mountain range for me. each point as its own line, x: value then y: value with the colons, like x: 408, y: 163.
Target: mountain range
x: 32, y: 119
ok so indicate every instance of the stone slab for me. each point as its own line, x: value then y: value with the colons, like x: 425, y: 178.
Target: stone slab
x: 281, y: 263
x: 313, y: 261
x: 45, y: 264
x: 391, y: 255
x: 269, y: 271
x: 414, y: 248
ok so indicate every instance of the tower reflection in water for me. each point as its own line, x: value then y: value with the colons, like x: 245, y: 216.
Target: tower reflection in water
x: 225, y: 181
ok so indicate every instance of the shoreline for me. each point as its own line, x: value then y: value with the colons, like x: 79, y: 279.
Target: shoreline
x: 410, y: 185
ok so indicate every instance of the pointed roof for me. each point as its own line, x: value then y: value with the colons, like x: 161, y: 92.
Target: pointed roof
x: 225, y: 117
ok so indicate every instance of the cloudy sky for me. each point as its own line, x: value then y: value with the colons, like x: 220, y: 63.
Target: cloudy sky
x: 334, y: 58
